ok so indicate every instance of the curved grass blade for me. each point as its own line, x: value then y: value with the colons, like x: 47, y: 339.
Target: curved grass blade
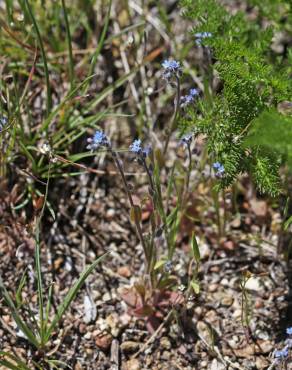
x: 9, y: 365
x: 20, y: 364
x: 101, y: 41
x: 20, y: 323
x: 40, y: 41
x: 71, y: 295
x: 71, y: 63
x: 69, y: 96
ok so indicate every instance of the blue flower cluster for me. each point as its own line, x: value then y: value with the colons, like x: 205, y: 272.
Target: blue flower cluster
x: 172, y: 68
x: 3, y: 123
x: 186, y: 139
x: 185, y: 100
x: 168, y: 266
x: 283, y: 353
x: 137, y: 148
x: 219, y: 169
x: 200, y: 36
x: 99, y: 139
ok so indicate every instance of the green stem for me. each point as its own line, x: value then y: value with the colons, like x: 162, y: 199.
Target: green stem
x: 38, y: 264
x: 217, y: 210
x: 176, y: 112
x: 9, y: 11
x: 49, y: 97
x: 69, y: 40
x: 188, y: 176
x: 128, y: 192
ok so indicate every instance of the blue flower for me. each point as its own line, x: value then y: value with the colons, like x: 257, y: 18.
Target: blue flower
x: 289, y: 330
x: 186, y: 139
x: 200, y: 36
x: 194, y: 92
x: 3, y: 123
x: 136, y: 147
x: 168, y: 266
x: 172, y: 65
x: 281, y: 354
x: 217, y: 165
x: 99, y: 139
x: 171, y: 68
x: 185, y: 100
x: 219, y: 169
x: 146, y: 151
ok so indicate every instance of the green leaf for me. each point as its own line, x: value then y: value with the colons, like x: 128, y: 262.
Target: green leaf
x: 17, y: 318
x: 160, y: 263
x: 196, y: 286
x: 288, y: 223
x: 167, y: 283
x: 135, y: 214
x: 71, y: 295
x: 101, y: 40
x: 20, y: 364
x: 19, y: 290
x: 195, y: 249
x: 39, y: 284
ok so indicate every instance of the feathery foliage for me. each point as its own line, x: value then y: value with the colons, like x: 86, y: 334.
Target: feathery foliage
x: 252, y: 78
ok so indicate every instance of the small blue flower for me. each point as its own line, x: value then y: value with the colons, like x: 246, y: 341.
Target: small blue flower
x: 185, y: 100
x: 146, y: 151
x: 171, y: 68
x: 168, y: 266
x: 200, y: 36
x: 217, y: 165
x: 99, y: 139
x: 136, y: 147
x: 171, y: 65
x: 289, y: 330
x: 194, y: 92
x: 281, y: 354
x: 186, y: 139
x: 219, y: 169
x: 3, y: 123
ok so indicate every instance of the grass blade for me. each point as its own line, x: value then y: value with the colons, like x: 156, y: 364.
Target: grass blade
x: 20, y: 323
x: 9, y: 365
x: 101, y: 40
x: 69, y: 40
x: 20, y: 364
x: 66, y: 99
x: 19, y: 290
x: 48, y: 307
x: 39, y: 284
x: 40, y: 41
x: 71, y: 295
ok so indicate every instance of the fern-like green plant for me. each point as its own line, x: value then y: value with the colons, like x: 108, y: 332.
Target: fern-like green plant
x: 252, y: 80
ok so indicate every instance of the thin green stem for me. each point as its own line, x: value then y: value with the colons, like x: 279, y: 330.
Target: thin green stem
x: 188, y: 175
x: 38, y: 264
x: 49, y: 97
x: 117, y: 162
x: 69, y: 40
x: 100, y: 44
x: 148, y: 174
x: 176, y: 112
x: 9, y: 11
x: 225, y: 211
x: 217, y: 210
